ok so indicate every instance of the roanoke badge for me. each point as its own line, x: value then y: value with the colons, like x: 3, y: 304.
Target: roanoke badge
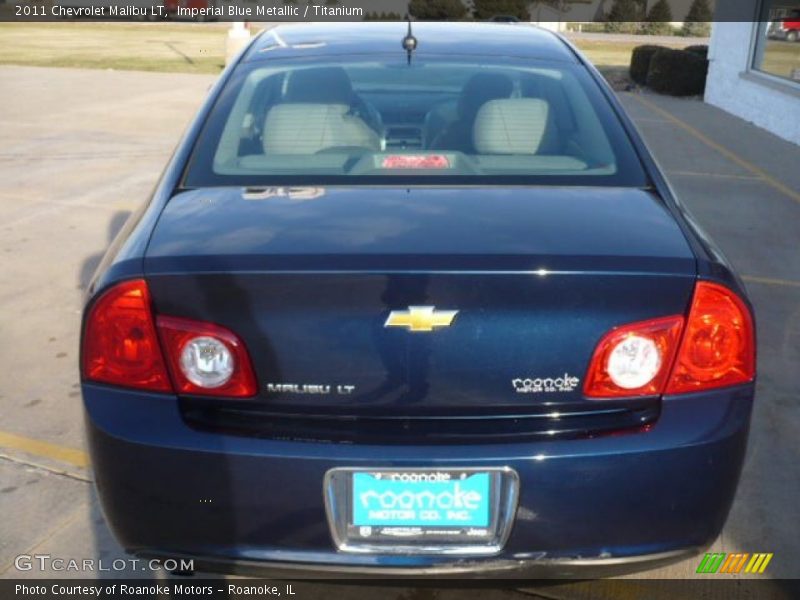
x: 545, y: 385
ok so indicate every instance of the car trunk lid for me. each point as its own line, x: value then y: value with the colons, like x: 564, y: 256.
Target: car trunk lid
x: 309, y: 277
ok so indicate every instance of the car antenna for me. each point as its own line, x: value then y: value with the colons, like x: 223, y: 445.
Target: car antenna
x: 409, y: 42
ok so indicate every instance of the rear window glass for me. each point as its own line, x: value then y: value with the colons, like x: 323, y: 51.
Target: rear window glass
x: 440, y: 121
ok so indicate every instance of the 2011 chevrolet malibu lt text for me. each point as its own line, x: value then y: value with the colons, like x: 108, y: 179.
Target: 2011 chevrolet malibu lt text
x: 415, y: 300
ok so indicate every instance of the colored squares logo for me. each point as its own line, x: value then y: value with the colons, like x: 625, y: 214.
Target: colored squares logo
x: 742, y: 562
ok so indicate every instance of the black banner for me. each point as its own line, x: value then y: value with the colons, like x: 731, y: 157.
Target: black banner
x: 542, y: 11
x: 192, y: 588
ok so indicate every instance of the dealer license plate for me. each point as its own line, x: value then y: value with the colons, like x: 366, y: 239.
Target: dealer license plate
x: 421, y: 499
x: 403, y: 509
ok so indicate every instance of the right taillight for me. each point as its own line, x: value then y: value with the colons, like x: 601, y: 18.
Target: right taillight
x: 718, y: 345
x: 713, y: 347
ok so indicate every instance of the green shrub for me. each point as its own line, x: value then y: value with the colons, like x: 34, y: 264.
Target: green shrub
x: 657, y: 28
x: 632, y: 27
x: 677, y: 72
x: 640, y: 62
x: 699, y: 49
x: 696, y: 29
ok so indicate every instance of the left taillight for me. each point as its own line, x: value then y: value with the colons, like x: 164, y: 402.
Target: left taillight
x: 120, y: 345
x: 125, y: 345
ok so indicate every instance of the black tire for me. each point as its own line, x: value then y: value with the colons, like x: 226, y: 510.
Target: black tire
x: 792, y: 36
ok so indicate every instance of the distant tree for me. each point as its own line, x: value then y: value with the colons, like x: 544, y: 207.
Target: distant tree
x: 383, y: 16
x: 486, y: 9
x: 437, y: 10
x: 660, y: 13
x: 623, y: 17
x: 642, y: 9
x: 699, y: 12
x: 697, y: 22
x: 623, y: 11
x: 658, y: 19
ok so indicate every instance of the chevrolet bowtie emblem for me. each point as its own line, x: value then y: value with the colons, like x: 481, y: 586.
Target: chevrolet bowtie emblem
x: 420, y: 318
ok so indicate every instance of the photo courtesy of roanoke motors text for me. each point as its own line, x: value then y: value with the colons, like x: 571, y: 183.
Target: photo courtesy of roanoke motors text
x: 431, y: 299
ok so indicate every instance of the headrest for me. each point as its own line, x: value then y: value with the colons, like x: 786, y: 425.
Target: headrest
x: 530, y: 86
x: 322, y: 85
x: 308, y: 128
x: 481, y: 88
x: 511, y: 126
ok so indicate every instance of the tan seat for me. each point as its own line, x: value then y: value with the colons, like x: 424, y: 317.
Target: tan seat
x: 512, y: 126
x: 303, y: 128
x: 457, y: 134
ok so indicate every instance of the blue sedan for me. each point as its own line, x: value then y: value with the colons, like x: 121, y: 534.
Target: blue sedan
x: 415, y: 301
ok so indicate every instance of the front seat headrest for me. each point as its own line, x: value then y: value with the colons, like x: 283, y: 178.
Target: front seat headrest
x: 480, y: 89
x: 300, y: 128
x: 320, y: 85
x: 511, y: 126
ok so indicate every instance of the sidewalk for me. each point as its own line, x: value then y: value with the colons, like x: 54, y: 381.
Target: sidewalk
x: 740, y: 182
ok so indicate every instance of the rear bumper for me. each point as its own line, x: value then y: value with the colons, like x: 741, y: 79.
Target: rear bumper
x: 544, y: 568
x: 587, y: 508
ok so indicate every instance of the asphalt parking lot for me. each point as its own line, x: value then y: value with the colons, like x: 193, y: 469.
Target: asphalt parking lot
x: 81, y: 149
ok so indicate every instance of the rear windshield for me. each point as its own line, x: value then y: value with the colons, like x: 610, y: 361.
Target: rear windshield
x: 359, y: 120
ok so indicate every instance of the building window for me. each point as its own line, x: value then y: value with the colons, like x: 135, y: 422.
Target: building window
x: 777, y: 45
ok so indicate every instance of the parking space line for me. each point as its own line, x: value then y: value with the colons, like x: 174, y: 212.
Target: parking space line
x: 772, y: 281
x: 79, y: 475
x: 719, y: 175
x: 63, y: 454
x: 732, y: 156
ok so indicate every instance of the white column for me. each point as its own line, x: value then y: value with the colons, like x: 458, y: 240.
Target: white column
x: 238, y: 36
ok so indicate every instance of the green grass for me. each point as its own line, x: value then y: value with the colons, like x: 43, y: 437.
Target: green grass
x: 781, y: 58
x: 615, y: 54
x: 129, y: 46
x: 613, y: 58
x: 182, y: 48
